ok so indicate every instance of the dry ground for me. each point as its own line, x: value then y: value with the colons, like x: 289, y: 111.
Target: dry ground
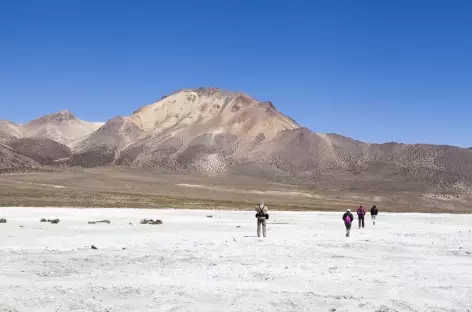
x: 407, y: 262
x: 144, y: 188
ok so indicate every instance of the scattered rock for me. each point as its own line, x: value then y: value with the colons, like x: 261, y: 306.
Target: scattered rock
x: 130, y: 223
x: 332, y: 310
x: 238, y: 226
x: 101, y: 221
x: 3, y: 220
x: 150, y: 221
x: 53, y: 221
x: 21, y: 226
x: 468, y: 252
x: 93, y: 247
x: 123, y: 248
x: 209, y: 216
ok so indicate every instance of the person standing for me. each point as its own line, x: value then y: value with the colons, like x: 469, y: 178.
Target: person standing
x: 262, y: 215
x: 361, y: 215
x: 348, y: 218
x: 373, y: 213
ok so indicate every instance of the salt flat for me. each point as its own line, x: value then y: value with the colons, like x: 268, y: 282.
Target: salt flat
x: 407, y: 262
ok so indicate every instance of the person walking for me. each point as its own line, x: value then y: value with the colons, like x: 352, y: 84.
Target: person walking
x: 361, y: 215
x: 348, y: 218
x: 373, y: 213
x: 262, y: 216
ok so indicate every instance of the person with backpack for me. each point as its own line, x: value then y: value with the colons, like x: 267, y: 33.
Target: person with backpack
x: 262, y: 215
x: 348, y: 218
x: 373, y: 213
x: 361, y: 215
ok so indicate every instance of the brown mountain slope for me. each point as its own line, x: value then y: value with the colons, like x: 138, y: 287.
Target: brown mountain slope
x: 10, y: 160
x: 330, y: 160
x: 43, y: 151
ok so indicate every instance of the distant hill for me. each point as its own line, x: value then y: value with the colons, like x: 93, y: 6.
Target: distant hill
x: 211, y: 130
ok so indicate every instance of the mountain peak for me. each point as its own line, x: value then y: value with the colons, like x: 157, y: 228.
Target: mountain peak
x: 61, y: 116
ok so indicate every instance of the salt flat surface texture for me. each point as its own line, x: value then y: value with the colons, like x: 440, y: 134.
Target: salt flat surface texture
x: 407, y: 262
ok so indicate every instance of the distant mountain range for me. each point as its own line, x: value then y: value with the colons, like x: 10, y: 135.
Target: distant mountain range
x: 216, y: 131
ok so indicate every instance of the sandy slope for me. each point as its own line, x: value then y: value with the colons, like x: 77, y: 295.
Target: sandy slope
x: 408, y: 262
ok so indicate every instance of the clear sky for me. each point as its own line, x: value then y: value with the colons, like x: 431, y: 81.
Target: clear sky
x: 377, y: 71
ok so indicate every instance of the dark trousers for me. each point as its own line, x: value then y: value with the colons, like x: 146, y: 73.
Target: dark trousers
x: 348, y: 229
x: 361, y: 221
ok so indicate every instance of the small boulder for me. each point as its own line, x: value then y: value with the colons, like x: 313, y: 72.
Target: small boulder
x: 93, y: 247
x: 55, y: 221
x: 3, y: 220
x: 101, y: 221
x: 150, y: 221
x: 43, y: 220
x: 209, y: 216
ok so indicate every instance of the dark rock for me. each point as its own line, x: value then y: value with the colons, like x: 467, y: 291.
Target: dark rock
x: 3, y: 220
x: 101, y: 221
x: 238, y: 226
x: 93, y: 247
x: 43, y: 220
x: 209, y: 216
x: 55, y: 221
x: 150, y: 221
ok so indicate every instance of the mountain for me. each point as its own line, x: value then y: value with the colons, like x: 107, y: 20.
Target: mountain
x: 198, y: 129
x: 216, y: 131
x: 62, y: 127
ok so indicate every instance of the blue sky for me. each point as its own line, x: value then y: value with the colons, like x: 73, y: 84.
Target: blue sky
x: 377, y: 71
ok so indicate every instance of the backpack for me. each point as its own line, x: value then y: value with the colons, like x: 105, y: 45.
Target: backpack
x: 360, y: 212
x: 347, y: 219
x: 260, y: 213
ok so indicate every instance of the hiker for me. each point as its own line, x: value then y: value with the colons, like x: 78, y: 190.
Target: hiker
x: 360, y: 215
x: 347, y: 218
x: 373, y: 213
x: 262, y: 216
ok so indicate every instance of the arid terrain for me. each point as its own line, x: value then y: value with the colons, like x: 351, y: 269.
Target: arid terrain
x: 193, y: 262
x: 225, y: 149
x: 145, y: 188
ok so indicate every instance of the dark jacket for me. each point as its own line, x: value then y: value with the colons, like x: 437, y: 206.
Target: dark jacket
x: 348, y: 214
x: 361, y: 212
x: 374, y: 211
